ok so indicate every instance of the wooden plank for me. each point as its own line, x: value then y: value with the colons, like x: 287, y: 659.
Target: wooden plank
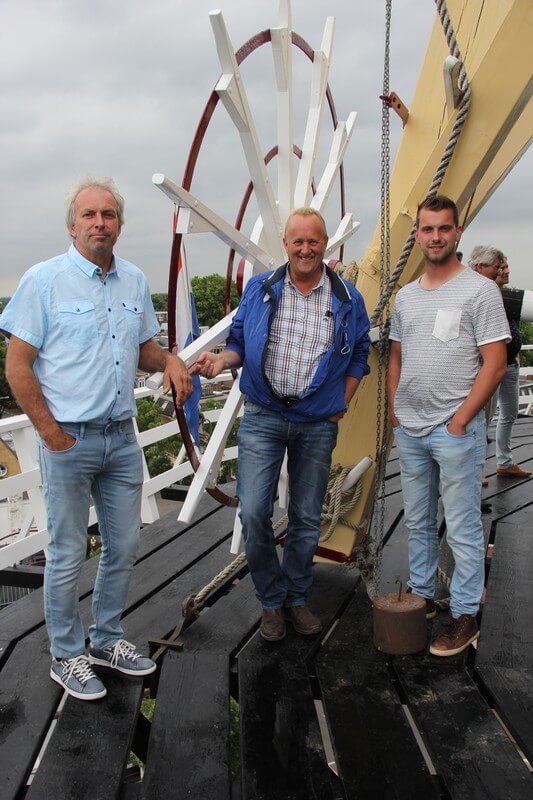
x: 159, y: 614
x: 507, y: 626
x: 504, y: 660
x: 188, y: 753
x: 25, y: 673
x: 468, y: 747
x: 89, y: 748
x: 511, y: 693
x: 282, y: 755
x: 26, y: 614
x: 28, y: 701
x: 375, y: 749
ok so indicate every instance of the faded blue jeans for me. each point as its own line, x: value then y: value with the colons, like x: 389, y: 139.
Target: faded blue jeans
x: 104, y: 462
x: 507, y: 396
x: 263, y: 438
x: 454, y: 465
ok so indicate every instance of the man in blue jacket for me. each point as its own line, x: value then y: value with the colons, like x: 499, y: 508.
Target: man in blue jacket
x: 301, y: 336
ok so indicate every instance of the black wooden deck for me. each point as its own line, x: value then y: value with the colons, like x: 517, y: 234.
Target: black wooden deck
x: 326, y: 718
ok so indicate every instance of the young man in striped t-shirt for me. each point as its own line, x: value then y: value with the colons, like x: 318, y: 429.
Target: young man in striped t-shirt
x: 448, y: 354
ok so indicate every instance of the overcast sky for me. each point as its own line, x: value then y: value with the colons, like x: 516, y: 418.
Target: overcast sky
x: 118, y: 88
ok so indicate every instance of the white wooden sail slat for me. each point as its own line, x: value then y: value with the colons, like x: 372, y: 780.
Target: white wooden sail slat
x: 281, y: 38
x: 232, y: 93
x: 319, y: 83
x: 207, y: 472
x: 222, y: 229
x: 346, y: 229
x: 341, y: 139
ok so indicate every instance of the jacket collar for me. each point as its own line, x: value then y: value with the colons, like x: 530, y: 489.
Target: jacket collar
x: 338, y: 287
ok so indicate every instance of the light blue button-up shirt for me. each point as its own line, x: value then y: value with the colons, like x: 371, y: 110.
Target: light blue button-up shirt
x: 87, y: 331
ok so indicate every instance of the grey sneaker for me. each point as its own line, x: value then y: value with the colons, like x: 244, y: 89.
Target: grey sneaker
x: 77, y: 678
x: 123, y: 657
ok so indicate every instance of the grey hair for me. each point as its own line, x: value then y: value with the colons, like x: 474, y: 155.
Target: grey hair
x: 305, y: 211
x: 86, y: 183
x: 484, y: 254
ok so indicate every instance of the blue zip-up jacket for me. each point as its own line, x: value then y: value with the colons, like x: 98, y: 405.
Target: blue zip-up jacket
x: 348, y: 354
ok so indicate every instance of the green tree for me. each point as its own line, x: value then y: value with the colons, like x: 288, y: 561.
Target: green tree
x: 160, y: 455
x: 160, y: 301
x: 209, y: 298
x: 157, y: 459
x: 148, y: 414
x: 526, y: 356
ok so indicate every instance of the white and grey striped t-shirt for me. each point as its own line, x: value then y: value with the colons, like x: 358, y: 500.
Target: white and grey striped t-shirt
x: 440, y: 331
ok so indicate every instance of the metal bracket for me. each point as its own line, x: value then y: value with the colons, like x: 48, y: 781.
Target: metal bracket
x: 394, y: 102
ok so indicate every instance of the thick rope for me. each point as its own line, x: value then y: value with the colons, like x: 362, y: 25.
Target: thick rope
x: 446, y: 157
x: 337, y: 503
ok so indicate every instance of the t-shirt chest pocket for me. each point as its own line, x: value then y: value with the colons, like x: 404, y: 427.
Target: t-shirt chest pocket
x: 77, y: 322
x: 447, y: 324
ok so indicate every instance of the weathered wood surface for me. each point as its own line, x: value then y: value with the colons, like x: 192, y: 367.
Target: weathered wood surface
x: 504, y: 660
x: 464, y: 751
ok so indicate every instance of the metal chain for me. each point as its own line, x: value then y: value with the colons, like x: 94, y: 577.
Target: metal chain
x: 371, y: 556
x: 464, y: 107
x: 384, y: 277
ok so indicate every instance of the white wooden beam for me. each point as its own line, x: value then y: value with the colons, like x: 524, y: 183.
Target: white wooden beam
x: 319, y: 83
x: 341, y: 139
x: 206, y: 475
x: 232, y: 93
x: 347, y: 228
x: 282, y: 52
x: 227, y: 233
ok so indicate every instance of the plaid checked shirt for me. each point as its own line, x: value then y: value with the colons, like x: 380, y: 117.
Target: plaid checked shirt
x: 301, y: 332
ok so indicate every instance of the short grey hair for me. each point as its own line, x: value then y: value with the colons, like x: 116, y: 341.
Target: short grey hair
x: 306, y: 211
x: 485, y: 255
x: 87, y: 183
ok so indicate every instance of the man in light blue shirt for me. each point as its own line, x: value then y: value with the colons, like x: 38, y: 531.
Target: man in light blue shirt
x: 79, y: 325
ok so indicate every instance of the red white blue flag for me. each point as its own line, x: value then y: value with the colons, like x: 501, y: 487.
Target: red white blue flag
x: 187, y: 329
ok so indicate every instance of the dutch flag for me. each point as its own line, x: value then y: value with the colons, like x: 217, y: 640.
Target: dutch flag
x: 187, y: 329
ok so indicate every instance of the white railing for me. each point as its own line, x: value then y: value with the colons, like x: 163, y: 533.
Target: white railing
x: 32, y: 537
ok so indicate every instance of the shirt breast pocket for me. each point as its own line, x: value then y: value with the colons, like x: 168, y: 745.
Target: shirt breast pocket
x: 77, y: 322
x: 447, y: 324
x: 133, y: 312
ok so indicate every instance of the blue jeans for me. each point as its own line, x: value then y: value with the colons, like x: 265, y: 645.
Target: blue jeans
x: 104, y: 462
x: 456, y: 462
x: 263, y: 438
x: 507, y: 396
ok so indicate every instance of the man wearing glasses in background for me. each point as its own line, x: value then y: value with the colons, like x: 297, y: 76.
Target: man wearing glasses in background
x: 491, y: 262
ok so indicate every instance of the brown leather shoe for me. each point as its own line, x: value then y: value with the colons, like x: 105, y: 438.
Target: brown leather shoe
x: 455, y: 636
x: 272, y: 625
x: 303, y: 621
x: 514, y: 471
